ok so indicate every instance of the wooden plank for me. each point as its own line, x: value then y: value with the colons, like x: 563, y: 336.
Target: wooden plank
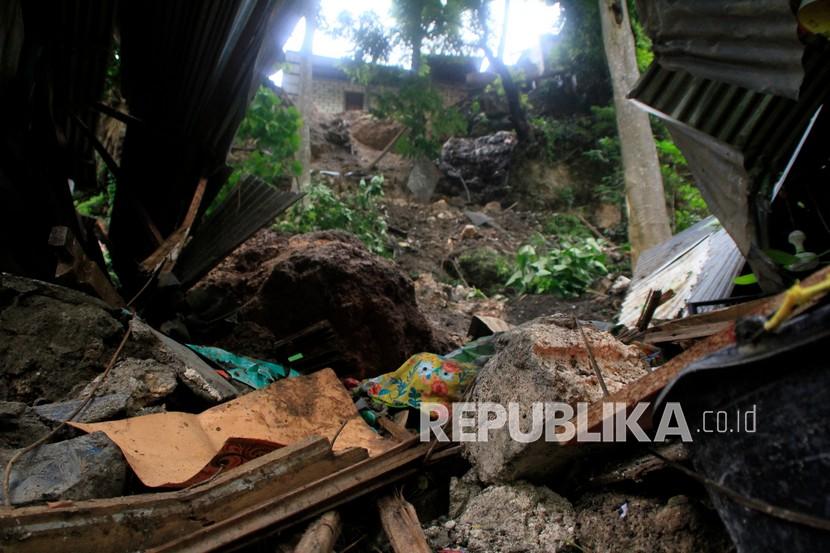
x: 398, y: 432
x: 701, y: 325
x: 647, y: 387
x: 74, y: 263
x: 321, y: 534
x: 169, y: 250
x: 541, y: 459
x: 137, y: 522
x: 401, y: 525
x: 283, y: 510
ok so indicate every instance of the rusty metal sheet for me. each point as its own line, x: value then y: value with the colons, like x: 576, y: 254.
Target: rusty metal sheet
x: 750, y: 43
x: 170, y: 449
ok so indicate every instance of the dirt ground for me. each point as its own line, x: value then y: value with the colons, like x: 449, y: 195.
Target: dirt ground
x: 428, y: 237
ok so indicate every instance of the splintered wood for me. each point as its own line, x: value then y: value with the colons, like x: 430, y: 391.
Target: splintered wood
x: 321, y: 534
x: 401, y: 524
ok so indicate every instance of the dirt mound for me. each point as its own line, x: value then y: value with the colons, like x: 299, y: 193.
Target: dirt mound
x: 330, y: 275
x: 614, y: 522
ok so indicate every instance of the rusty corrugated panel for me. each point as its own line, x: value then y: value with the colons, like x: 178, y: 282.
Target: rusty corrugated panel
x: 189, y: 70
x: 251, y: 206
x: 750, y: 43
x: 736, y: 140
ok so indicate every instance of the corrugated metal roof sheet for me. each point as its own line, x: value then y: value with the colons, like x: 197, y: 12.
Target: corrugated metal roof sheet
x: 188, y: 72
x: 750, y: 43
x: 737, y: 142
x: 251, y: 206
x: 701, y: 266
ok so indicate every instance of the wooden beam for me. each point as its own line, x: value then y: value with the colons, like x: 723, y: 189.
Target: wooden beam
x: 281, y: 511
x: 138, y: 522
x: 321, y: 535
x: 401, y: 525
x: 169, y: 250
x: 74, y: 265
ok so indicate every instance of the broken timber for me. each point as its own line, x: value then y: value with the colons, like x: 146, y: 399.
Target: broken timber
x: 138, y: 522
x: 401, y: 525
x: 321, y: 535
x: 283, y: 510
x: 541, y: 458
x: 268, y: 494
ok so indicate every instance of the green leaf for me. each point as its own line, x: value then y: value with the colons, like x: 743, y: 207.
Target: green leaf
x: 745, y: 280
x: 780, y: 257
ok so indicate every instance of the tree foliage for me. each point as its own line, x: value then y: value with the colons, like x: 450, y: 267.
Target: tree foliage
x: 418, y: 106
x: 265, y: 142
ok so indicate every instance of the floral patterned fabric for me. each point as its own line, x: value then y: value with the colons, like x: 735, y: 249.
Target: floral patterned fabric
x: 425, y: 377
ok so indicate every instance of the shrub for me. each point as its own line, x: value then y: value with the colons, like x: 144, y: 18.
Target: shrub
x: 359, y: 212
x: 566, y: 270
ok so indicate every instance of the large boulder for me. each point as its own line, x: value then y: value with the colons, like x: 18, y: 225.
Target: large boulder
x: 480, y: 165
x: 373, y: 132
x: 544, y: 360
x: 369, y: 302
x: 51, y: 339
x: 86, y: 467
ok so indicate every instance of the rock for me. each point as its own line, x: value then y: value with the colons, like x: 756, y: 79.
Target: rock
x: 608, y: 216
x: 462, y: 490
x: 51, y: 339
x: 480, y: 219
x: 468, y: 232
x: 375, y: 133
x: 190, y: 369
x: 101, y: 408
x: 19, y: 425
x: 485, y: 268
x: 369, y: 301
x: 144, y: 382
x: 514, y: 518
x: 86, y: 467
x: 483, y: 163
x: 157, y: 357
x: 620, y: 285
x: 440, y: 205
x: 422, y: 179
x: 544, y: 360
x: 676, y: 525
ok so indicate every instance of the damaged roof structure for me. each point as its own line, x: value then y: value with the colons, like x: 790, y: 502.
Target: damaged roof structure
x: 187, y: 73
x: 738, y: 85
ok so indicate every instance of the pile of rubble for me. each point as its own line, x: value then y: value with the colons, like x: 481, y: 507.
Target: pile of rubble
x: 251, y: 433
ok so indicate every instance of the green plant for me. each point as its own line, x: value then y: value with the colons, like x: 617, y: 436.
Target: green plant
x: 418, y: 106
x: 359, y: 212
x: 564, y: 225
x: 688, y: 206
x: 100, y: 204
x: 265, y: 143
x: 566, y: 270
